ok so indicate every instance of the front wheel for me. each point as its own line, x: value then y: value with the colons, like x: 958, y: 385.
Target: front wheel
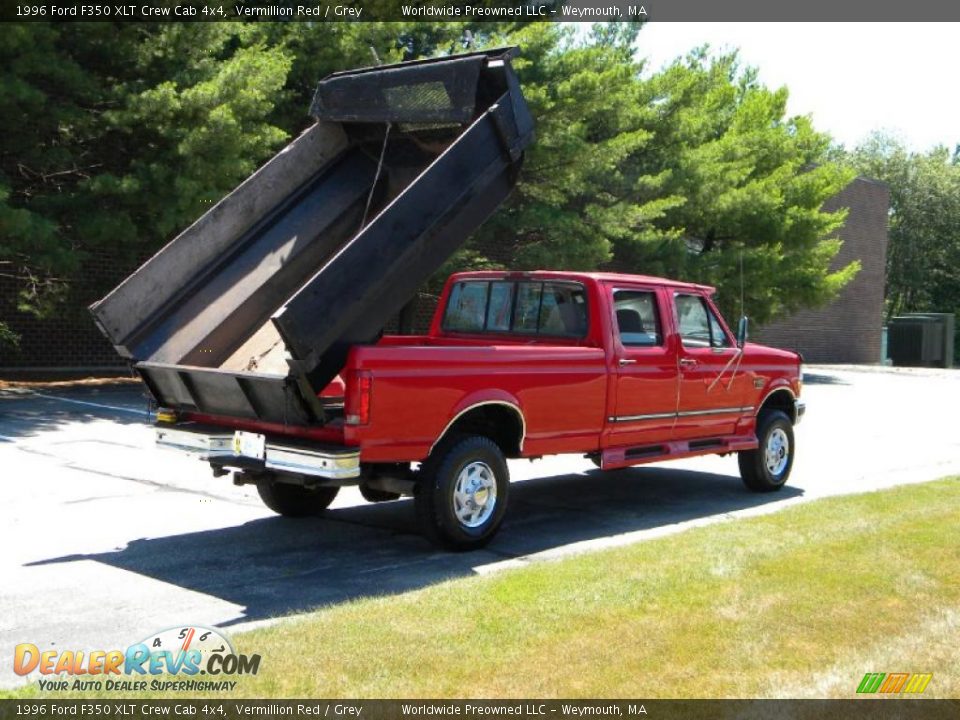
x: 461, y: 496
x: 292, y: 500
x: 768, y: 467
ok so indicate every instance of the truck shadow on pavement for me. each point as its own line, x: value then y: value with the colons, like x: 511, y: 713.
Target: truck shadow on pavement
x: 276, y: 566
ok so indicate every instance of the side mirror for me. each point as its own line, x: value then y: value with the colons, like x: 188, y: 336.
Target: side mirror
x: 743, y: 331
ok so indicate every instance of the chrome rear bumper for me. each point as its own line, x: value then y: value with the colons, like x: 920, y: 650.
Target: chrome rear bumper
x: 207, y: 445
x: 224, y: 448
x: 800, y: 408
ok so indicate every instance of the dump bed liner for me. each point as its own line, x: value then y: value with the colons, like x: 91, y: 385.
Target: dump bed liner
x: 252, y: 309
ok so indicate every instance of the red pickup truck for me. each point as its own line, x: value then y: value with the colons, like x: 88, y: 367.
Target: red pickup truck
x: 625, y: 369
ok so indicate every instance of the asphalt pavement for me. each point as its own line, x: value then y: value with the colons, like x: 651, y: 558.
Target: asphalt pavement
x: 106, y: 538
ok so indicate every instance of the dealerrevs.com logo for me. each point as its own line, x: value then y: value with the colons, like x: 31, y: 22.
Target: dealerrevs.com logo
x: 179, y: 654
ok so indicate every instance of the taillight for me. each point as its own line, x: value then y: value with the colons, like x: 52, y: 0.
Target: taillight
x: 362, y: 396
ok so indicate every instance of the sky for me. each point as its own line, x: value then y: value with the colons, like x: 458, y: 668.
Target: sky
x: 852, y: 78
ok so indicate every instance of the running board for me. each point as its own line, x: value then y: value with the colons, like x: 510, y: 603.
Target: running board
x: 620, y: 457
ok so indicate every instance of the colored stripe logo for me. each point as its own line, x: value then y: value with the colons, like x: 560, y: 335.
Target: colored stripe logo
x: 894, y: 683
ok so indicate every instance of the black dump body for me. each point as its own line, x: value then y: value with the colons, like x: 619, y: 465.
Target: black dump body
x: 251, y: 310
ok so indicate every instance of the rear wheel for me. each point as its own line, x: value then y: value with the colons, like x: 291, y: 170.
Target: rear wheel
x: 461, y: 496
x: 768, y: 467
x: 292, y: 500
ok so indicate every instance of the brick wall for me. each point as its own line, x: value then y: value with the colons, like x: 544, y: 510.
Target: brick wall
x: 849, y: 329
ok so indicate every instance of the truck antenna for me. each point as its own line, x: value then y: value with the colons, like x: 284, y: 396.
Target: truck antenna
x: 741, y: 283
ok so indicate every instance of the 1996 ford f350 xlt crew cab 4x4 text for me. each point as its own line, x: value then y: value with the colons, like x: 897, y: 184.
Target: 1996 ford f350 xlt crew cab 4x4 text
x: 625, y: 369
x: 257, y: 330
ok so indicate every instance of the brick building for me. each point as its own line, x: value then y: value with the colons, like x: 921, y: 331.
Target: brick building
x: 849, y: 329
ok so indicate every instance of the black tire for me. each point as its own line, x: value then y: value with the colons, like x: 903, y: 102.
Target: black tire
x: 294, y: 501
x: 757, y: 473
x: 375, y: 496
x: 434, y: 497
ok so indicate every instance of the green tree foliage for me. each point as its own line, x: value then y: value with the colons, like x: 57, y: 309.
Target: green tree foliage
x: 578, y: 190
x: 190, y: 126
x: 748, y: 184
x: 47, y: 101
x: 923, y: 254
x: 119, y: 135
x: 679, y: 173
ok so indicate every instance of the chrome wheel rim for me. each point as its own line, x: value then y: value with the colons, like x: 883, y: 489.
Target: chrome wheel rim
x: 777, y: 451
x: 475, y: 494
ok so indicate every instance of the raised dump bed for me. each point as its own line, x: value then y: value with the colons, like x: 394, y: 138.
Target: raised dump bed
x: 251, y: 311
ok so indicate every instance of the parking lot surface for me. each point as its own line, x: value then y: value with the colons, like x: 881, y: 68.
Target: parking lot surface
x: 106, y: 538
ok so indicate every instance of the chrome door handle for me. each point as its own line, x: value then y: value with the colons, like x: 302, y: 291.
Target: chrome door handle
x: 627, y: 361
x: 687, y: 362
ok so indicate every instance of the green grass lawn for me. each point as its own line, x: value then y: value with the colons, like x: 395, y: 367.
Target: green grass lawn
x: 797, y: 603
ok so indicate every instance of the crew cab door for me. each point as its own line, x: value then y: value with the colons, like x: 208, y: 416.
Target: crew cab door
x: 646, y: 380
x: 712, y: 385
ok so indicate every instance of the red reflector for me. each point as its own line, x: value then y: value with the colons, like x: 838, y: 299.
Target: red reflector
x: 364, y: 393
